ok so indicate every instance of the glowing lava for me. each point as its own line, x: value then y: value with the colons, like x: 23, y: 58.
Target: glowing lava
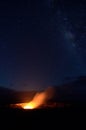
x: 29, y: 106
x: 39, y: 99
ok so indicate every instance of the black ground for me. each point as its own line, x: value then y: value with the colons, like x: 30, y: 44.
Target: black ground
x: 53, y: 118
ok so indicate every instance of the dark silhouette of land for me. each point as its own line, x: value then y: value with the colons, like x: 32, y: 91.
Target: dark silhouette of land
x: 65, y: 116
x: 74, y: 91
x: 55, y: 118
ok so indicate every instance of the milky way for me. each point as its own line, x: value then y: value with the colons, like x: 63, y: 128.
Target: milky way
x: 72, y: 53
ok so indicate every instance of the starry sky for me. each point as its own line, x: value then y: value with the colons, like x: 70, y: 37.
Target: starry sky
x: 42, y: 42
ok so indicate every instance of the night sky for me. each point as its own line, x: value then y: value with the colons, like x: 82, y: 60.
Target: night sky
x: 42, y: 42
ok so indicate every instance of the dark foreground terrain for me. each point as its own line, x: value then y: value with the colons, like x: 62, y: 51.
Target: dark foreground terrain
x: 48, y: 118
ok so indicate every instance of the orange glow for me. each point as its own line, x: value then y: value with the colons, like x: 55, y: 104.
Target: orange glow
x: 37, y: 101
x: 28, y: 106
